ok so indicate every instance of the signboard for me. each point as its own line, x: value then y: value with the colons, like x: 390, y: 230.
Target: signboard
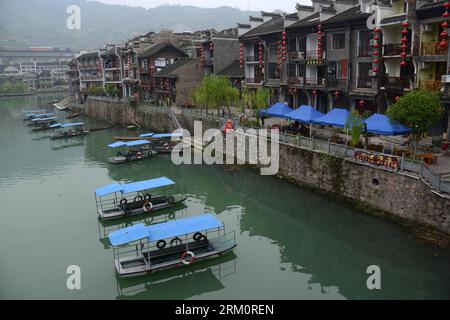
x: 380, y: 160
x: 316, y: 61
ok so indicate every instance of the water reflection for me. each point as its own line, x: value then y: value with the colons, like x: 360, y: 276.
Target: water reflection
x: 182, y: 283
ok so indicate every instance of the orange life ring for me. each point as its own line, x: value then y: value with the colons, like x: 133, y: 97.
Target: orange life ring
x: 191, y: 259
x: 229, y: 125
x: 148, y: 206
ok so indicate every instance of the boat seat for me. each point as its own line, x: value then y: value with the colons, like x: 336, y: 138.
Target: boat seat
x: 176, y: 250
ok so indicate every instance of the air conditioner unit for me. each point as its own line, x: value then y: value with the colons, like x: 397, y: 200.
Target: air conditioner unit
x: 372, y: 74
x: 446, y: 78
x: 428, y: 27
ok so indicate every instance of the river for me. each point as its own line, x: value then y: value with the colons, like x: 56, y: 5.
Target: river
x: 292, y: 243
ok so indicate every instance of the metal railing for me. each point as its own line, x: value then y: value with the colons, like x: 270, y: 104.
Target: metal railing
x: 430, y: 85
x: 399, y: 83
x: 315, y: 81
x: 365, y: 83
x: 433, y: 49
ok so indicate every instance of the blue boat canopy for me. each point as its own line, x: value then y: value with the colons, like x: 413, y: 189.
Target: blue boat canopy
x: 165, y: 230
x: 44, y: 119
x: 383, y: 125
x: 31, y: 111
x: 117, y: 144
x: 337, y: 117
x: 56, y: 125
x: 134, y: 186
x: 278, y: 110
x: 145, y: 135
x: 166, y: 135
x: 304, y: 114
x: 77, y: 124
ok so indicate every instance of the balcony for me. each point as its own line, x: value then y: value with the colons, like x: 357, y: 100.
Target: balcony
x: 314, y: 54
x: 398, y: 83
x: 431, y: 85
x: 433, y: 49
x: 364, y: 83
x: 251, y: 59
x: 336, y: 83
x: 296, y: 80
x: 394, y: 49
x: 113, y: 79
x: 297, y: 55
x: 315, y: 81
x: 255, y: 80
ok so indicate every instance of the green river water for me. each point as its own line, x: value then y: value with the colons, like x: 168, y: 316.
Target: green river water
x: 292, y: 243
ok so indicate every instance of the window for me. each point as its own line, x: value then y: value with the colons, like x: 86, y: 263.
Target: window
x: 292, y: 44
x: 364, y: 43
x: 339, y: 41
x: 342, y: 69
x: 273, y: 71
x: 292, y: 70
x: 273, y: 49
x: 302, y: 44
x: 364, y: 79
x: 332, y: 70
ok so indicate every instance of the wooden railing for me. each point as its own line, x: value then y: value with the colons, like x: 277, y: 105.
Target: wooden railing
x: 431, y: 85
x: 315, y: 81
x: 365, y: 83
x: 399, y: 83
x: 433, y: 49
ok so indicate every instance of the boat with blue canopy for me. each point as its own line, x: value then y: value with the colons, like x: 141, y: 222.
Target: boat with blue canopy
x: 69, y: 130
x: 37, y: 114
x: 163, y: 142
x: 42, y: 120
x: 141, y: 249
x: 137, y: 150
x: 119, y: 200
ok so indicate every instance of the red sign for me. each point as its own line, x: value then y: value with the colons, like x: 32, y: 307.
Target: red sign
x: 379, y: 160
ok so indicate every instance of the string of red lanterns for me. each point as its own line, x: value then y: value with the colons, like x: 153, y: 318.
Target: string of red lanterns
x: 336, y: 94
x: 260, y: 55
x: 241, y: 55
x: 444, y: 33
x: 284, y: 46
x: 279, y: 55
x: 376, y: 50
x: 320, y: 38
x: 202, y: 55
x: 404, y: 46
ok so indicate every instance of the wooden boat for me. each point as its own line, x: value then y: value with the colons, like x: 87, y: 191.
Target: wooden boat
x: 138, y: 150
x: 141, y: 249
x: 71, y: 133
x: 163, y: 142
x: 73, y: 115
x: 61, y: 105
x: 136, y: 198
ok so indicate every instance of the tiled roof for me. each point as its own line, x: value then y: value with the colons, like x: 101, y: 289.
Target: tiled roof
x: 431, y: 5
x: 170, y: 70
x: 393, y: 19
x: 306, y: 22
x: 347, y: 15
x: 233, y: 70
x: 272, y: 26
x: 158, y: 47
x: 231, y: 33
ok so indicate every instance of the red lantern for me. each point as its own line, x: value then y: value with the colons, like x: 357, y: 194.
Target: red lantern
x: 336, y: 94
x: 446, y: 14
x: 375, y: 53
x: 361, y: 103
x: 405, y: 24
x: 403, y: 54
x: 446, y: 5
x: 443, y: 43
x: 376, y: 61
x: 403, y: 63
x: 397, y: 99
x: 405, y: 32
x: 404, y: 47
x: 376, y: 30
x: 314, y: 93
x: 445, y: 24
x: 376, y: 45
x: 376, y: 38
x: 376, y: 70
x: 444, y: 34
x: 404, y: 40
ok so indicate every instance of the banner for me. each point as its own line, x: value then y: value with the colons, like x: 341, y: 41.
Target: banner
x: 379, y: 160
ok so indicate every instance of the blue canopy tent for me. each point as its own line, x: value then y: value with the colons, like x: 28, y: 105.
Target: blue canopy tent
x: 383, y: 125
x: 278, y: 110
x: 128, y: 144
x: 304, y: 114
x: 337, y: 117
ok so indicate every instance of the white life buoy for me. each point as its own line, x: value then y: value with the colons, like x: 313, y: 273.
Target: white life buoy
x: 191, y: 259
x: 148, y: 206
x: 166, y: 146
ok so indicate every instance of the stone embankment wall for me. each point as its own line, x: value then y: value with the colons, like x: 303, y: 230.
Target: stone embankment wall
x: 122, y: 113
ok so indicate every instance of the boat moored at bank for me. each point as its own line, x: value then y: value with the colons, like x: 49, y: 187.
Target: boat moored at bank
x: 122, y: 200
x: 137, y: 150
x: 39, y: 121
x: 69, y: 130
x: 163, y: 142
x: 141, y: 249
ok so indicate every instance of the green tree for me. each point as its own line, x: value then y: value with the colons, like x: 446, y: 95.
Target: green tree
x: 111, y: 90
x: 417, y: 110
x: 355, y: 124
x: 215, y: 92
